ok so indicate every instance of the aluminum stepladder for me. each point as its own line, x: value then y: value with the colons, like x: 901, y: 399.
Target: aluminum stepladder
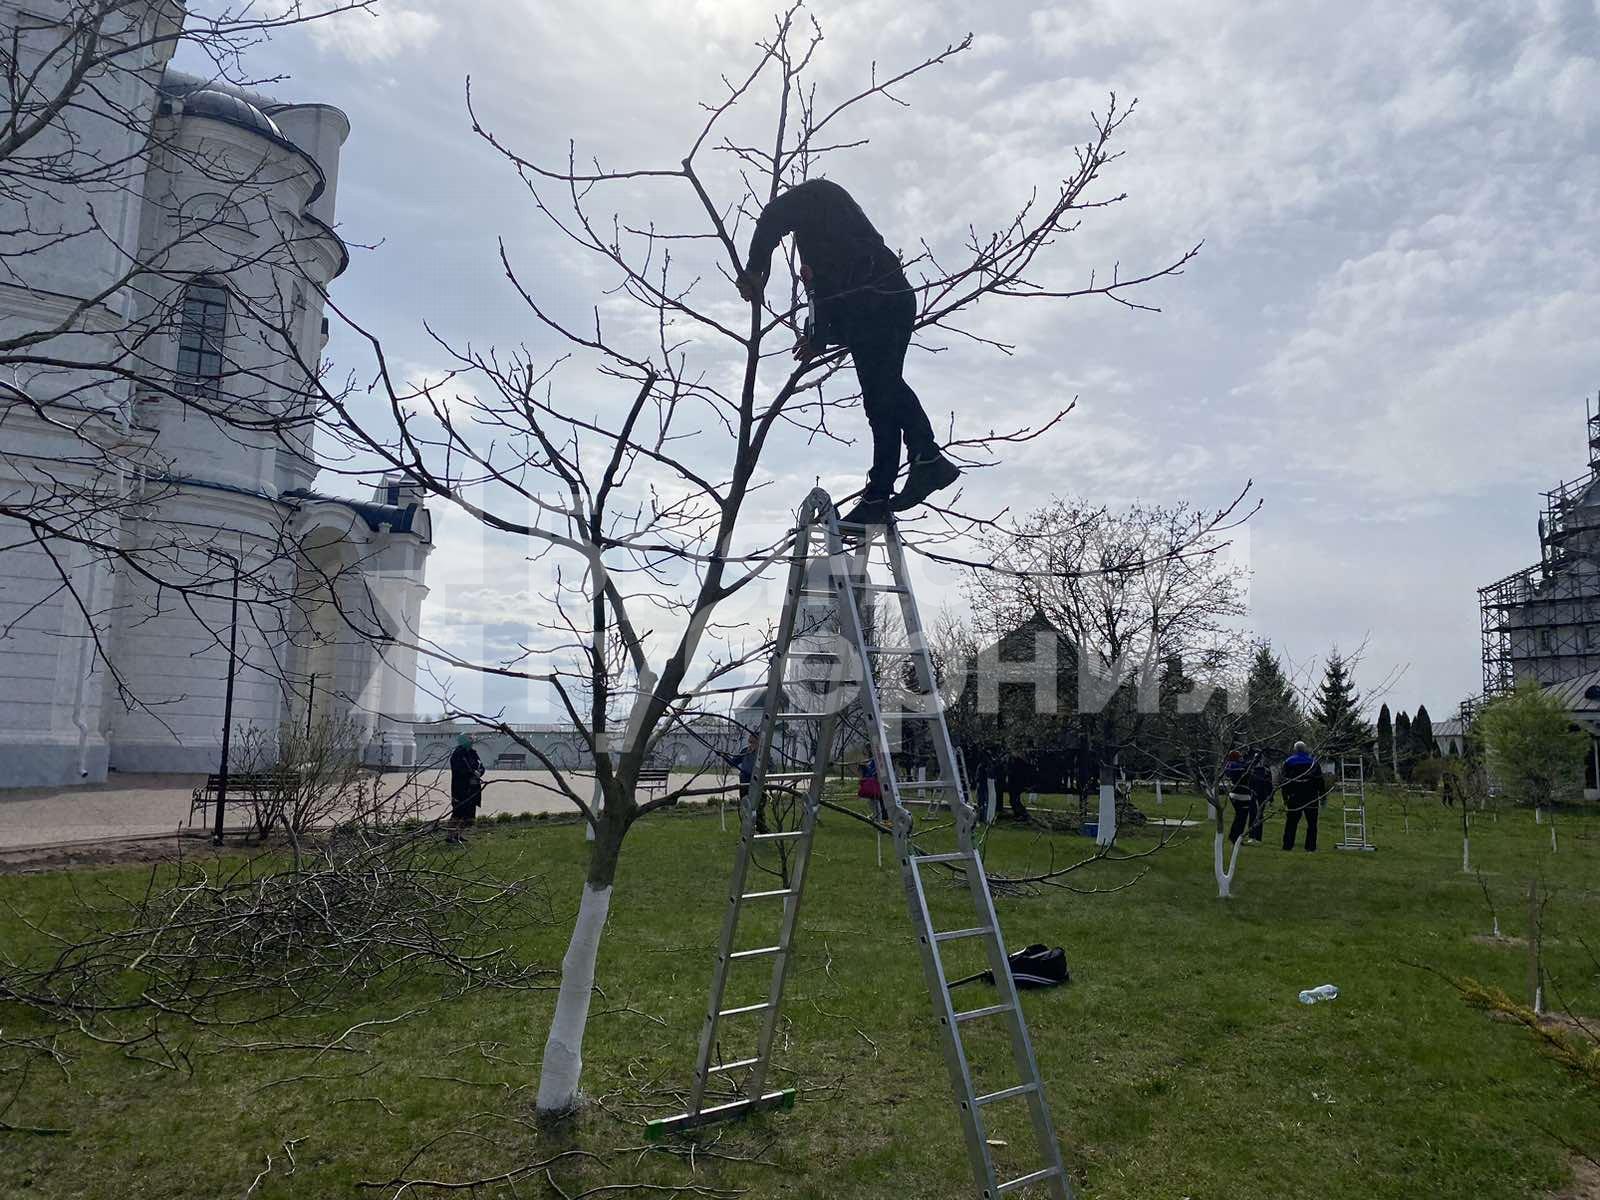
x: 1353, y: 798
x: 846, y: 585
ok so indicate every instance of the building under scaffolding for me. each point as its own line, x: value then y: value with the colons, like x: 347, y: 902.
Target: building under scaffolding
x: 1543, y: 622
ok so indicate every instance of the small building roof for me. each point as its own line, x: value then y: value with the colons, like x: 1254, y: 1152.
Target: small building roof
x: 1579, y: 695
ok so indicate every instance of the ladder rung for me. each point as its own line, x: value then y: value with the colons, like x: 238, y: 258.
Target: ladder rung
x: 925, y: 783
x: 767, y: 895
x: 745, y: 1008
x: 758, y: 952
x: 879, y: 587
x: 734, y: 1066
x: 956, y: 856
x: 782, y: 833
x: 1030, y: 1177
x: 950, y: 935
x: 972, y: 1014
x: 909, y: 716
x: 894, y: 650
x: 786, y: 776
x: 801, y: 716
x: 1022, y: 1089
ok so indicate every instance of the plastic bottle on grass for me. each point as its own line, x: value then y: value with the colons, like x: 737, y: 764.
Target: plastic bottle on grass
x: 1318, y: 994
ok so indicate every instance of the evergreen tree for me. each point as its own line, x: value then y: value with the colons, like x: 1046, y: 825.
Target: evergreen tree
x: 1422, y: 745
x: 1337, y: 712
x: 1385, y: 741
x: 1275, y: 721
x: 1402, y: 746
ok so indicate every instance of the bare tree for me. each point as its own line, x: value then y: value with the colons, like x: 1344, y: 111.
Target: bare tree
x: 1131, y: 591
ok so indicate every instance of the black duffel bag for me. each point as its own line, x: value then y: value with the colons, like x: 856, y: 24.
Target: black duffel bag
x: 1035, y: 966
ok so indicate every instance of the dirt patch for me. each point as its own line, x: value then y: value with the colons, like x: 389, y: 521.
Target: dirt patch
x: 1585, y: 1183
x: 74, y: 855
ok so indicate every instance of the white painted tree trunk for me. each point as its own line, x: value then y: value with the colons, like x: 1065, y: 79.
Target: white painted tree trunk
x: 1106, y: 830
x: 1218, y: 853
x: 1466, y: 855
x: 563, y: 1050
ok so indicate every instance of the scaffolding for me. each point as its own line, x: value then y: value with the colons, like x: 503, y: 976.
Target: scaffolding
x: 1543, y: 622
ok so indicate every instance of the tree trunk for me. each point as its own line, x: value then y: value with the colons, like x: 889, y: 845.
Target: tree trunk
x: 1106, y: 828
x: 1220, y: 840
x: 562, y: 1068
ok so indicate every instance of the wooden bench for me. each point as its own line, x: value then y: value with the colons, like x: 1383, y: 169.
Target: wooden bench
x: 241, y: 784
x: 511, y: 762
x: 654, y: 779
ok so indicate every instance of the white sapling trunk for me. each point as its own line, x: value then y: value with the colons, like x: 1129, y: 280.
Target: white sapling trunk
x: 563, y: 1050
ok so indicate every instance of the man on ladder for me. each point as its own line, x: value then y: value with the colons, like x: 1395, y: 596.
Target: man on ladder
x: 860, y: 299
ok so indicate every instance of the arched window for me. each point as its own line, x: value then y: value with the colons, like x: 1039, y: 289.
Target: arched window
x: 202, y: 327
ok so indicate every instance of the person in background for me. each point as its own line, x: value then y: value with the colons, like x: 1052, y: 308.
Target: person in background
x: 1261, y: 789
x: 871, y: 790
x: 1018, y: 774
x: 466, y: 787
x: 1236, y: 779
x: 1303, y: 787
x: 745, y: 760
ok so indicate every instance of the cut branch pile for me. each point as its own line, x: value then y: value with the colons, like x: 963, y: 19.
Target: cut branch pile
x: 223, y: 944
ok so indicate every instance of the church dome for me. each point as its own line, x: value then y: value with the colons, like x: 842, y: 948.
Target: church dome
x: 235, y: 110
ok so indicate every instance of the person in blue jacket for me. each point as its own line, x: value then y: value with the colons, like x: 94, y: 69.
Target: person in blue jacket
x: 1302, y: 787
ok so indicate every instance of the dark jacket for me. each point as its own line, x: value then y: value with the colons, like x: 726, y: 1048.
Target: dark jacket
x: 466, y: 774
x: 1302, y: 781
x: 1260, y: 782
x: 852, y: 270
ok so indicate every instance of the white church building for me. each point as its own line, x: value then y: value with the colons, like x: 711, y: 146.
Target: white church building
x: 159, y: 516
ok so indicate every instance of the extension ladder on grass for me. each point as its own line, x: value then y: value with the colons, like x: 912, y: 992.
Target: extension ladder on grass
x: 1353, y: 797
x: 823, y: 568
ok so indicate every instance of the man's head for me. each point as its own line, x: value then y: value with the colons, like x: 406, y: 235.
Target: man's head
x: 1301, y: 748
x: 463, y: 740
x: 755, y: 739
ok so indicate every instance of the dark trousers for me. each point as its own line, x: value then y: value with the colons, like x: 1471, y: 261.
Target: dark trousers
x: 1241, y: 816
x: 1017, y: 810
x: 1291, y: 822
x: 1258, y: 816
x: 878, y: 340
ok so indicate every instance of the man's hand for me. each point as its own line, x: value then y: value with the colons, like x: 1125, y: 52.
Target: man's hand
x: 751, y: 286
x: 804, y: 350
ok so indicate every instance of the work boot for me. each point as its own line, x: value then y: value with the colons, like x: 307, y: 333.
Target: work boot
x: 869, y: 510
x: 927, y: 476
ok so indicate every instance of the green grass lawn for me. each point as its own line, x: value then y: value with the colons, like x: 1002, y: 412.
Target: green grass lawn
x: 1179, y: 1063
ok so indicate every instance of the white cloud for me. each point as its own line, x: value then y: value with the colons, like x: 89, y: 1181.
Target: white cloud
x: 378, y: 35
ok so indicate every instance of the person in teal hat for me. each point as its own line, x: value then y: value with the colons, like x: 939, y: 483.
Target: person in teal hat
x: 466, y: 786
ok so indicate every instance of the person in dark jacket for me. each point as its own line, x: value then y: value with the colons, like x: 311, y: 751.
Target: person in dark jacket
x: 860, y: 299
x: 1259, y: 781
x: 1236, y: 779
x: 466, y: 786
x: 1302, y: 788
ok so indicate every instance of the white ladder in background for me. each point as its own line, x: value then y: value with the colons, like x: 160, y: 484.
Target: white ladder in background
x: 1353, y: 797
x: 820, y: 538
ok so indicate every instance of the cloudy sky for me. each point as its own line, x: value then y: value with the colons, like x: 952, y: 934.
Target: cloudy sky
x: 1390, y: 328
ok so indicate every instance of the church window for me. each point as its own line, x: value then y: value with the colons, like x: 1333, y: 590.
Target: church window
x: 202, y: 326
